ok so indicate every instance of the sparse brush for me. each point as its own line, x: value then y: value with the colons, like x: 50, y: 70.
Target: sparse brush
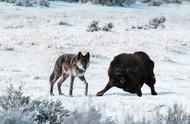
x: 154, y: 23
x: 28, y: 3
x: 48, y: 111
x: 91, y: 116
x: 13, y: 117
x: 157, y: 22
x: 44, y: 3
x: 156, y: 3
x: 18, y: 109
x: 13, y: 99
x: 172, y: 1
x: 93, y: 26
x: 23, y: 2
x: 38, y: 111
x: 171, y: 117
x: 64, y: 23
x: 10, y: 1
x: 107, y: 27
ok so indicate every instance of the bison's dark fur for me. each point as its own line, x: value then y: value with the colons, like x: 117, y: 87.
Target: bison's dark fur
x: 130, y: 72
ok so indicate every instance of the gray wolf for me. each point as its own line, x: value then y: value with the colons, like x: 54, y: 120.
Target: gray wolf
x: 73, y: 65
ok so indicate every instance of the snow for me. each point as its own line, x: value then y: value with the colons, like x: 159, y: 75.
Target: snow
x: 31, y: 39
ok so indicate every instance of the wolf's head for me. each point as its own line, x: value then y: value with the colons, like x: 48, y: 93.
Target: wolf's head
x: 83, y: 61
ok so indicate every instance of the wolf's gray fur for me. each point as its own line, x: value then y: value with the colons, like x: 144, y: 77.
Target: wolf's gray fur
x: 69, y: 65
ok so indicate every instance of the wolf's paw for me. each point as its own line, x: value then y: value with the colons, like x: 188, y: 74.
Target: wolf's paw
x: 70, y: 95
x: 61, y: 94
x: 99, y: 94
x: 51, y: 94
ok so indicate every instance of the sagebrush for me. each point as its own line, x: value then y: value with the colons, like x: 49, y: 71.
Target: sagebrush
x: 15, y: 108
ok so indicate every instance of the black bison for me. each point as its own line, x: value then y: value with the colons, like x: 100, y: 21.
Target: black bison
x: 130, y: 72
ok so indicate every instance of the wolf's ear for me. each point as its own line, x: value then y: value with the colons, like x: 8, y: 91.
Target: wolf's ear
x: 88, y: 55
x: 79, y: 55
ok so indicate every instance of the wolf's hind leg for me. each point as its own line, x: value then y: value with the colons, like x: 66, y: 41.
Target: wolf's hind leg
x: 53, y: 78
x: 63, y: 78
x: 51, y: 83
x: 82, y: 78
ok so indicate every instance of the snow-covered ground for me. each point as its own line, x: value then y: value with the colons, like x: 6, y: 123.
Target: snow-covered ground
x: 31, y: 39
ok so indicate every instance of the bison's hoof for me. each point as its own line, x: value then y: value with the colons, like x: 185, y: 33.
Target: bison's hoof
x: 139, y: 94
x: 154, y: 93
x: 100, y: 94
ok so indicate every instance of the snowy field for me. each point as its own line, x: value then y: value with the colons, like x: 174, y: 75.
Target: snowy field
x: 31, y: 39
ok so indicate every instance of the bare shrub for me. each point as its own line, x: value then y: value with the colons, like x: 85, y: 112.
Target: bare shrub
x: 38, y: 111
x: 64, y: 23
x: 48, y: 111
x: 160, y: 2
x: 154, y: 23
x: 23, y: 2
x: 19, y: 109
x: 154, y: 2
x: 176, y: 115
x: 172, y: 1
x: 93, y: 26
x: 44, y: 3
x: 28, y: 3
x: 114, y: 2
x: 91, y: 116
x: 13, y: 99
x: 10, y: 1
x: 14, y: 117
x: 107, y: 27
x: 15, y: 108
x: 157, y: 22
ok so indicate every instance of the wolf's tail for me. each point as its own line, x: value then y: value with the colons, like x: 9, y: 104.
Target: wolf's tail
x: 51, y: 77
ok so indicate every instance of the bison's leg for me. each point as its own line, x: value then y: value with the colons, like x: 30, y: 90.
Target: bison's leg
x: 151, y: 85
x: 108, y: 86
x: 138, y: 91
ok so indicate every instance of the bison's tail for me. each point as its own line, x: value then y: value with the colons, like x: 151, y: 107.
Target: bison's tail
x: 149, y: 65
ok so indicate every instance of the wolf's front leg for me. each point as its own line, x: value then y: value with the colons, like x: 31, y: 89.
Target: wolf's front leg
x: 82, y: 78
x: 71, y: 86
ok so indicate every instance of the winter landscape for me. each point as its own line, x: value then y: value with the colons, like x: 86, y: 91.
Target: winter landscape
x: 32, y: 38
